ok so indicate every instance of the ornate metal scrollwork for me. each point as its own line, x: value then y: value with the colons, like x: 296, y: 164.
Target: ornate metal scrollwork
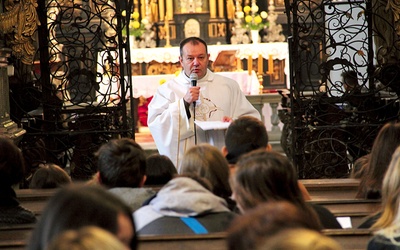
x: 344, y: 81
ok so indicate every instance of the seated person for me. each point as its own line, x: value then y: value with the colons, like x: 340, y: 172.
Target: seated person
x: 185, y: 205
x: 299, y: 239
x: 49, y: 176
x: 208, y: 162
x: 249, y: 230
x: 12, y: 171
x: 86, y: 238
x: 263, y: 176
x: 77, y: 206
x: 244, y: 135
x: 122, y: 168
x: 159, y: 170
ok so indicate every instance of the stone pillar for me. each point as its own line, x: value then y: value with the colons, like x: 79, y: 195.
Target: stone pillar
x: 8, y: 128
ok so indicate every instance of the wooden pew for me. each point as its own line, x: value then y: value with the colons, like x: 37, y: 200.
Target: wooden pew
x: 34, y: 199
x: 355, y: 239
x: 15, y: 236
x: 214, y: 241
x: 348, y: 238
x: 331, y: 189
x: 356, y: 209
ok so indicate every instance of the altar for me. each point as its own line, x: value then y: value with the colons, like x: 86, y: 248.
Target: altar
x: 278, y: 51
x: 146, y: 85
x: 267, y: 59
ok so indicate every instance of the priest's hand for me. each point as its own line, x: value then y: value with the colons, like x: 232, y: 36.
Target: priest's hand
x: 227, y: 119
x: 192, y: 94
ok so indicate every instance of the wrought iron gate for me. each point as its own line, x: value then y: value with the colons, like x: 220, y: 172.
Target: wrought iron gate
x: 344, y: 81
x: 79, y: 96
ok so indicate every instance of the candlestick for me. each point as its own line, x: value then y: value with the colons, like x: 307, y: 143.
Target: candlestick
x: 270, y: 65
x: 238, y: 64
x: 260, y: 65
x: 250, y: 64
x: 166, y: 27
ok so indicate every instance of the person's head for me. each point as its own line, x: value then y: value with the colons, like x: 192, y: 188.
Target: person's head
x: 243, y: 135
x: 194, y: 56
x: 249, y: 230
x: 263, y: 176
x: 387, y: 223
x: 76, y: 206
x: 208, y: 162
x: 385, y: 143
x: 350, y: 80
x: 49, y: 176
x: 299, y: 239
x: 159, y: 170
x: 121, y: 163
x: 359, y: 167
x: 86, y: 238
x: 12, y: 168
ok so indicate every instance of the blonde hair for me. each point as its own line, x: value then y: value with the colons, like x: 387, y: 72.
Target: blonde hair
x: 299, y: 239
x: 86, y: 238
x: 388, y: 224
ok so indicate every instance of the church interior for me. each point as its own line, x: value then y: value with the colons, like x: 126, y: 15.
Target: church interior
x: 77, y: 73
x: 324, y: 76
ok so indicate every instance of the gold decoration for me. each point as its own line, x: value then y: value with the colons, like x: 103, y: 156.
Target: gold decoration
x: 21, y: 20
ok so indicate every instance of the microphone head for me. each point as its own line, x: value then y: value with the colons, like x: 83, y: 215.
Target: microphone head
x: 193, y: 76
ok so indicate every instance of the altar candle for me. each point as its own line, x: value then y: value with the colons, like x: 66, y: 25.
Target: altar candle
x: 270, y: 65
x: 221, y: 12
x: 213, y: 8
x: 142, y: 8
x: 161, y: 9
x: 238, y: 64
x: 250, y: 64
x: 170, y: 11
x: 260, y: 65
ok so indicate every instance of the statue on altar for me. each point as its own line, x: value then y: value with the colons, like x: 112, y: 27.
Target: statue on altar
x: 239, y: 33
x: 148, y: 37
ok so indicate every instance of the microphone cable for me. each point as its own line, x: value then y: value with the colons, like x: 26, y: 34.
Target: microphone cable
x: 193, y: 79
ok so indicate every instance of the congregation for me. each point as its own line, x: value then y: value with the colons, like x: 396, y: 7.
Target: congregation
x: 245, y: 190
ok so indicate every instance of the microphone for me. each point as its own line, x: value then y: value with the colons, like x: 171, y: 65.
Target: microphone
x: 193, y: 79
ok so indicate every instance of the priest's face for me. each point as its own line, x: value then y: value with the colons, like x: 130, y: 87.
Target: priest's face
x: 194, y: 59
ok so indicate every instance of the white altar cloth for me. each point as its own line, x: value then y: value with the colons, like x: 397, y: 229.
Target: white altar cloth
x: 146, y: 85
x: 278, y: 51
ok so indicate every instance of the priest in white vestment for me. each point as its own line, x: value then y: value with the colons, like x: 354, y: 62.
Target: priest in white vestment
x: 217, y: 98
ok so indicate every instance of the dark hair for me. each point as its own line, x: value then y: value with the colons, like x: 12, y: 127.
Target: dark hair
x: 385, y: 143
x: 76, y: 206
x: 12, y: 168
x: 194, y: 41
x: 121, y: 163
x: 251, y: 229
x: 159, y: 169
x: 245, y: 134
x: 49, y: 176
x: 263, y: 176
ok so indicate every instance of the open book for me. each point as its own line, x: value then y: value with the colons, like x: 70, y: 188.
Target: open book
x: 212, y: 125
